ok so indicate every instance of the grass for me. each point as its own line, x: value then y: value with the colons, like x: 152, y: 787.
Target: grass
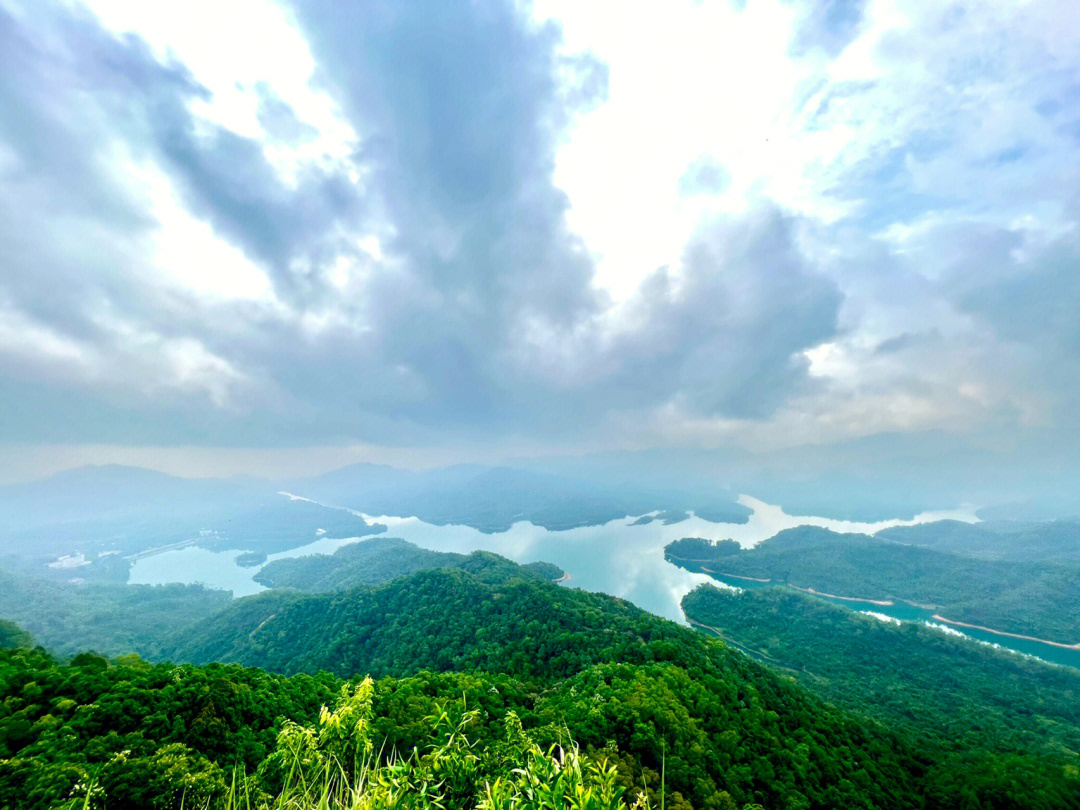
x: 334, y: 765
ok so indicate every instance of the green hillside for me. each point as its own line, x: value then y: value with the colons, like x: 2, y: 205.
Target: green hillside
x: 957, y: 692
x: 381, y: 559
x: 480, y: 673
x: 109, y: 619
x: 1056, y: 541
x: 114, y: 619
x: 1037, y: 599
x: 724, y: 731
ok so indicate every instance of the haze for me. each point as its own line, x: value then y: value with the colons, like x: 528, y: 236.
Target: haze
x: 777, y: 244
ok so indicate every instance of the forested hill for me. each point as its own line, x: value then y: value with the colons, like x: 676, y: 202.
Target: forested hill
x: 1037, y: 599
x: 114, y: 619
x: 637, y: 692
x: 381, y: 559
x: 109, y: 619
x: 1056, y: 541
x: 442, y: 620
x: 11, y: 635
x: 955, y: 692
x: 632, y: 689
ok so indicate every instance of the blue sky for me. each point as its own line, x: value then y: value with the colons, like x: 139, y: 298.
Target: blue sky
x: 263, y: 237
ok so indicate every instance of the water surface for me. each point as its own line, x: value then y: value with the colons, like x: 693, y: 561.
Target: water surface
x: 618, y: 557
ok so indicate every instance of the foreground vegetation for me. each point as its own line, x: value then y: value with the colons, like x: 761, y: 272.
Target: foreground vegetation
x: 145, y: 735
x: 494, y: 688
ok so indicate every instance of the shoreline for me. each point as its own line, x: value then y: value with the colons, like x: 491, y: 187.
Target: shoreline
x: 733, y: 576
x: 811, y: 591
x: 920, y: 607
x: 1020, y: 636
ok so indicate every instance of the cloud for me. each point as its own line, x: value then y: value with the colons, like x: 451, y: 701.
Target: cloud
x: 704, y: 176
x: 724, y: 333
x: 829, y: 24
x: 463, y: 224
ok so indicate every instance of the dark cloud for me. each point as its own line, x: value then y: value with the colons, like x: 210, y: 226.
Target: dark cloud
x: 74, y: 90
x: 460, y: 106
x: 725, y: 335
x: 482, y: 321
x: 1029, y: 296
x: 228, y: 180
x: 279, y: 119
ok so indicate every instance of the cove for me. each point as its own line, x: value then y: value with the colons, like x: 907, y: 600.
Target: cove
x: 623, y: 557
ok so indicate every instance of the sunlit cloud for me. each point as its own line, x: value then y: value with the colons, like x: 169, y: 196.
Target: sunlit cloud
x: 727, y: 225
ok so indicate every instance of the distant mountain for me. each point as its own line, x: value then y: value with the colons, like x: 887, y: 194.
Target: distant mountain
x: 1055, y: 541
x: 492, y: 499
x: 114, y: 493
x: 130, y: 509
x: 282, y: 524
x: 87, y: 524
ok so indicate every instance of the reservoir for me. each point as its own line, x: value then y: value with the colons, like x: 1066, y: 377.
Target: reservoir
x: 623, y: 557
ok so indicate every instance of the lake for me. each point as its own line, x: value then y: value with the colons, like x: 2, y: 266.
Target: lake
x: 623, y: 557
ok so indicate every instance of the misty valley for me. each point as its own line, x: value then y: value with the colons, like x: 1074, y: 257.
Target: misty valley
x: 949, y: 640
x: 540, y: 405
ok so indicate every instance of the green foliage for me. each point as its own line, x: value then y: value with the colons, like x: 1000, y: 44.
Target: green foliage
x: 250, y: 559
x: 111, y: 619
x: 1036, y: 599
x: 334, y: 764
x: 697, y: 549
x: 723, y: 731
x: 495, y: 690
x: 136, y: 731
x: 995, y: 724
x: 11, y: 635
x: 967, y: 694
x: 440, y: 620
x: 381, y: 559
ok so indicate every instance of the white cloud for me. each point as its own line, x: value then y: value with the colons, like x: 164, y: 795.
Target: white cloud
x: 697, y: 80
x: 184, y: 250
x: 921, y: 158
x: 25, y: 342
x: 230, y: 48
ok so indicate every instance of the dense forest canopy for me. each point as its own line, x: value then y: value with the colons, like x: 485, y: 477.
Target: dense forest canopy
x: 957, y: 692
x: 382, y: 559
x: 666, y: 707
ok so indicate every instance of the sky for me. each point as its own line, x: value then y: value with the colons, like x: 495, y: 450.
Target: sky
x: 262, y: 237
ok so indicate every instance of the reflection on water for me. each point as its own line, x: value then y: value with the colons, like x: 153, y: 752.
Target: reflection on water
x: 617, y: 557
